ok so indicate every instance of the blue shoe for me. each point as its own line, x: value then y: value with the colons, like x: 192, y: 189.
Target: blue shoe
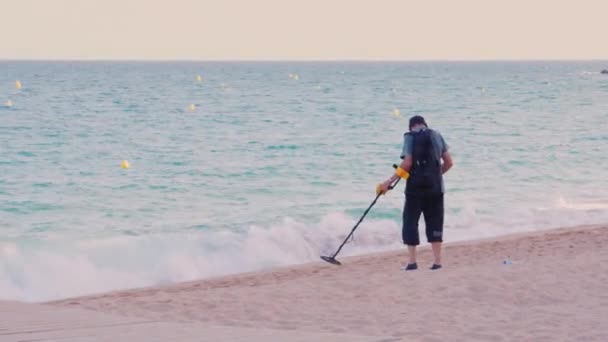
x: 435, y: 267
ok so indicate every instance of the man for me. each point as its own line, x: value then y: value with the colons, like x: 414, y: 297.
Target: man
x: 425, y: 159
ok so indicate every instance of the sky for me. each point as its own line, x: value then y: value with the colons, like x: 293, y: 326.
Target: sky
x: 304, y: 29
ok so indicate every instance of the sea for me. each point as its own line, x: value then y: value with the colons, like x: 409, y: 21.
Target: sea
x: 247, y: 166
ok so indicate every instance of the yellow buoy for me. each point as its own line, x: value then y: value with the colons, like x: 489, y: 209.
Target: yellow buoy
x: 192, y: 107
x: 296, y: 77
x: 199, y: 78
x: 125, y: 164
x: 18, y: 84
x: 396, y: 112
x: 9, y: 103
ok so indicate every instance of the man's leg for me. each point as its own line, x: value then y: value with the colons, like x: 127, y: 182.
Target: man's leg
x: 412, y: 254
x: 436, y: 252
x: 432, y: 209
x: 411, y: 216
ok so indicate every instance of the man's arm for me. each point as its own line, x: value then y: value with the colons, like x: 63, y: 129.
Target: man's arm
x: 406, y: 164
x: 447, y: 162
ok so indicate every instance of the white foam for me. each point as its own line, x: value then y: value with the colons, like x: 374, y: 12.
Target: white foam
x: 61, y: 267
x: 563, y: 203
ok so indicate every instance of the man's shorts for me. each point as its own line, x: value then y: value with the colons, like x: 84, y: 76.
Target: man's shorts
x: 431, y: 206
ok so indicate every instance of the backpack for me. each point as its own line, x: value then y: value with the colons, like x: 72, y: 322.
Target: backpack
x: 425, y: 173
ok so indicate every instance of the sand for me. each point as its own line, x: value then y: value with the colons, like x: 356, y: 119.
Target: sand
x: 556, y: 289
x: 29, y: 322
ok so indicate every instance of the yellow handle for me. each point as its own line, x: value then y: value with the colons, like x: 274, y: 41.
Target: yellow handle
x: 402, y: 173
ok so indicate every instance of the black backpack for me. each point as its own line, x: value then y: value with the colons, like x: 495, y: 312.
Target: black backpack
x: 425, y: 173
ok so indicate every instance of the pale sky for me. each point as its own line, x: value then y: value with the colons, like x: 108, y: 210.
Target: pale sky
x: 304, y: 29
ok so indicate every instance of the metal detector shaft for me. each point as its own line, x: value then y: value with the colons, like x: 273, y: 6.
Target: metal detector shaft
x: 361, y: 219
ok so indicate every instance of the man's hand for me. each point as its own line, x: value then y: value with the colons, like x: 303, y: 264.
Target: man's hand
x: 383, y: 188
x: 447, y: 162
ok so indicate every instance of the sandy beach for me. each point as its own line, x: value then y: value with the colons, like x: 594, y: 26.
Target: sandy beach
x: 554, y: 290
x: 182, y: 171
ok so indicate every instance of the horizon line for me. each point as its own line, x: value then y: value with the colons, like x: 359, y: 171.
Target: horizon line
x: 153, y: 60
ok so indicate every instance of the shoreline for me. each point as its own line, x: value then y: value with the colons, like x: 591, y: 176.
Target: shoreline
x: 423, y: 248
x: 554, y: 290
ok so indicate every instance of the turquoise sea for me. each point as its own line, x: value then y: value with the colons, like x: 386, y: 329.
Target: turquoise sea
x: 275, y: 162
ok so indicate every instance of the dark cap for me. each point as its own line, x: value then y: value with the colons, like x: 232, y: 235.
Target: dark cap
x: 417, y: 120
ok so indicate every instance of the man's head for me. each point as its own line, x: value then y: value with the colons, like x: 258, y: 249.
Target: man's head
x: 417, y: 121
